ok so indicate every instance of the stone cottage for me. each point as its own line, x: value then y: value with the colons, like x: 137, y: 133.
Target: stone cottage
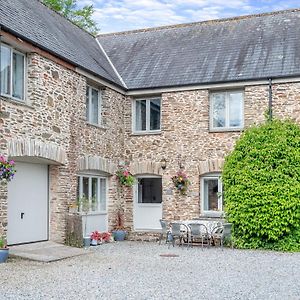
x: 74, y: 107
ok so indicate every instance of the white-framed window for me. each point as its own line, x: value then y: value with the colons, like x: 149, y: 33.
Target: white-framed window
x: 93, y: 188
x: 211, y: 195
x: 12, y: 73
x: 227, y: 110
x: 146, y: 115
x: 93, y: 105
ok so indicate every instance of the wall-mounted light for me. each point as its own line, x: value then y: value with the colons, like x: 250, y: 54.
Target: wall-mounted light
x: 163, y: 163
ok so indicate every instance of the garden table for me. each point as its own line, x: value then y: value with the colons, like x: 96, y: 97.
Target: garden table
x: 210, y: 225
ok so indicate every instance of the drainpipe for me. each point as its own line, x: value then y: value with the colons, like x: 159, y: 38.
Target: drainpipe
x: 270, y: 112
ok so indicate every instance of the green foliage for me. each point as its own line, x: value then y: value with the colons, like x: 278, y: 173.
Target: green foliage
x: 2, y: 242
x: 125, y: 177
x: 262, y: 187
x: 81, y: 17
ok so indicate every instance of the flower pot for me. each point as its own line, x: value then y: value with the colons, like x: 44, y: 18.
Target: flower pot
x: 3, y: 254
x: 86, y: 241
x: 119, y: 235
x: 94, y: 242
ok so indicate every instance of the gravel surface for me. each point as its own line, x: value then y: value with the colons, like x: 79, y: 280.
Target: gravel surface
x: 135, y: 270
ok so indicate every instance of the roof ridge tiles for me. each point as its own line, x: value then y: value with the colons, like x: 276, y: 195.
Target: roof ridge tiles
x: 212, y: 21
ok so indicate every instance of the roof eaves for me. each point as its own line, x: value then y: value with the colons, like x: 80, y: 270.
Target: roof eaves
x: 3, y: 27
x: 213, y: 83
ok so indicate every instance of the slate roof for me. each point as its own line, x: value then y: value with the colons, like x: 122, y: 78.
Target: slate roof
x: 34, y: 22
x: 244, y: 48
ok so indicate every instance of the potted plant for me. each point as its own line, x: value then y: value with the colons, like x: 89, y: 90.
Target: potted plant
x: 3, y: 250
x: 105, y: 237
x: 84, y: 207
x: 119, y: 233
x: 95, y: 237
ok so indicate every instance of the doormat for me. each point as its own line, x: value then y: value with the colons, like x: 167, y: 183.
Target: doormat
x: 169, y: 255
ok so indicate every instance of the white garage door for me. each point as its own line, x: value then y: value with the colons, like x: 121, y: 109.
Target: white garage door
x: 28, y: 204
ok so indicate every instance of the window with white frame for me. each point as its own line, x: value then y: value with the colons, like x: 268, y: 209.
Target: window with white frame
x: 146, y: 115
x: 93, y: 105
x: 211, y: 192
x: 93, y: 188
x: 226, y: 110
x: 12, y: 73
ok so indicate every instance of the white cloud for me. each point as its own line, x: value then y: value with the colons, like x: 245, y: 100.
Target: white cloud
x: 121, y: 15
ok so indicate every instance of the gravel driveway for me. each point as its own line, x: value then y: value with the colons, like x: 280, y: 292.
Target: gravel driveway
x: 135, y: 270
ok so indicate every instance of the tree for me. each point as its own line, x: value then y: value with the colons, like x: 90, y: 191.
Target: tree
x: 81, y: 17
x: 261, y: 180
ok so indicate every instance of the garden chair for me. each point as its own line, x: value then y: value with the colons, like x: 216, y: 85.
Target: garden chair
x: 199, y: 231
x: 164, y: 230
x: 176, y: 232
x: 222, y: 233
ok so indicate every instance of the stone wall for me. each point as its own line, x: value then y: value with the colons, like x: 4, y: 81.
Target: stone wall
x: 54, y: 113
x: 185, y: 137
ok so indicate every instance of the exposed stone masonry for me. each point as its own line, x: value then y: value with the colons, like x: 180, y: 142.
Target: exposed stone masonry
x: 53, y: 121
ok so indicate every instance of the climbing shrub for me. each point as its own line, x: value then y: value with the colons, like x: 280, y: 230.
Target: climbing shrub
x: 261, y: 180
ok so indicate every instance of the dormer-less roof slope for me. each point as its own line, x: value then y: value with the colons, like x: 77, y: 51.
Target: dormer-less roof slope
x: 244, y: 48
x: 34, y: 22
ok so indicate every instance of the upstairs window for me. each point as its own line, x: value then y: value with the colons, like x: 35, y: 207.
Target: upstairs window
x: 93, y: 105
x: 226, y: 110
x: 12, y: 76
x: 146, y: 115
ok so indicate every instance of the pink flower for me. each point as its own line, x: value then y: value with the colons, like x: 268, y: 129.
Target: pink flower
x: 126, y: 173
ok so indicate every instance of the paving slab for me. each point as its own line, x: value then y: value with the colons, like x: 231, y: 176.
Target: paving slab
x: 45, y: 251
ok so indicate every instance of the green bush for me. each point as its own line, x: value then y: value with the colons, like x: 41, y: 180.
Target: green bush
x: 261, y: 180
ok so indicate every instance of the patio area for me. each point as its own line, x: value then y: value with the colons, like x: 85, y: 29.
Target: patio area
x: 136, y: 270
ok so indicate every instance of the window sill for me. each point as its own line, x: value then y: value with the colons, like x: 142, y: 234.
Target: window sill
x: 214, y: 130
x: 16, y: 101
x: 212, y: 214
x: 146, y: 133
x: 97, y: 126
x: 93, y: 213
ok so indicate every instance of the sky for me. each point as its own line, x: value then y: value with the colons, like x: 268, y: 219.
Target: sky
x: 122, y: 15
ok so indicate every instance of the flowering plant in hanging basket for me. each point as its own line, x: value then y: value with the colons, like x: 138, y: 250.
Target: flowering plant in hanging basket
x: 125, y: 177
x: 7, y: 169
x: 181, y: 182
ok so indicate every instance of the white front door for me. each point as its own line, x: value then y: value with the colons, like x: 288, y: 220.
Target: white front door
x: 28, y: 204
x: 147, y: 203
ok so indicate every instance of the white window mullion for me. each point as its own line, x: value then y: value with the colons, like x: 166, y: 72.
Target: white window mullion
x: 98, y: 194
x: 220, y: 198
x: 90, y: 191
x: 226, y: 110
x: 11, y: 72
x: 148, y: 115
